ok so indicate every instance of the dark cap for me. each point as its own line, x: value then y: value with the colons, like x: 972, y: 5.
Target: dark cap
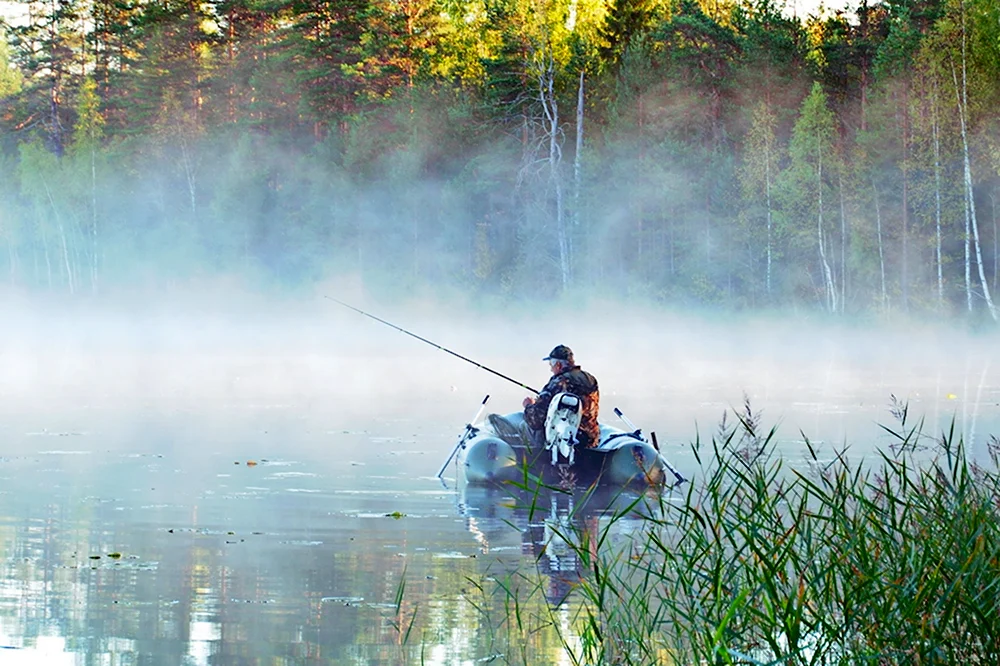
x: 560, y: 353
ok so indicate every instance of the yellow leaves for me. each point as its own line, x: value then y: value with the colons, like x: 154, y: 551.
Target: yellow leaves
x: 815, y: 30
x: 209, y: 26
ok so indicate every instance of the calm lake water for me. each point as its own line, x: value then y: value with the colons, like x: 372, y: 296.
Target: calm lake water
x: 270, y: 498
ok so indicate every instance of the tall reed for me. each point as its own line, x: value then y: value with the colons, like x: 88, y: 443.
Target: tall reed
x: 889, y: 560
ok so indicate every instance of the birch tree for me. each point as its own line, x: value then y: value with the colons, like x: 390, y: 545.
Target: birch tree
x: 813, y: 165
x: 758, y: 172
x: 84, y: 155
x: 960, y: 79
x: 42, y: 182
x: 883, y: 294
x: 10, y: 84
x: 935, y: 133
x: 545, y: 73
x: 560, y: 44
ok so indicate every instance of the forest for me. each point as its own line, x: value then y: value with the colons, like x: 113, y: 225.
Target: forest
x: 692, y: 153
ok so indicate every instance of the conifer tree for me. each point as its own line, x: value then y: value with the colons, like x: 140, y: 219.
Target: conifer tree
x: 49, y: 53
x: 625, y: 21
x: 321, y: 47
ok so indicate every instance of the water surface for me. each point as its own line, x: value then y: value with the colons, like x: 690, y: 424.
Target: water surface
x: 272, y: 499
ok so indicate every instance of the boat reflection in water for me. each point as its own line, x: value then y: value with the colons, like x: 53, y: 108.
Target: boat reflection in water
x: 559, y: 529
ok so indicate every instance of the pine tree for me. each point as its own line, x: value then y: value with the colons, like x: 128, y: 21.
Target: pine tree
x: 321, y: 47
x: 49, y: 52
x: 171, y: 70
x: 626, y: 20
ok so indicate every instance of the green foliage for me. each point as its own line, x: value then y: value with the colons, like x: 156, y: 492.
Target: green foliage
x: 808, y: 179
x: 892, y: 560
x: 407, y: 143
x: 10, y: 78
x: 626, y: 20
x: 89, y: 128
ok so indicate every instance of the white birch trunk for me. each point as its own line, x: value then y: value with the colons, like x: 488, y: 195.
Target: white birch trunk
x: 881, y: 253
x: 843, y: 243
x: 65, y: 247
x: 577, y: 166
x: 963, y: 106
x: 905, y: 168
x: 967, y: 240
x: 66, y: 261
x: 94, y: 264
x: 187, y: 163
x: 996, y: 243
x: 767, y: 195
x: 550, y: 108
x: 937, y: 198
x: 831, y: 291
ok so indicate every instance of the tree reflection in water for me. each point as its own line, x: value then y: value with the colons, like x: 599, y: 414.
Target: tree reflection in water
x: 118, y: 557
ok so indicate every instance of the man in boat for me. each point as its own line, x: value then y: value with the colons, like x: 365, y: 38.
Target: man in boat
x: 567, y: 377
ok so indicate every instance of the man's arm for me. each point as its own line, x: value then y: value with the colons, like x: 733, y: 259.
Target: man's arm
x: 535, y: 411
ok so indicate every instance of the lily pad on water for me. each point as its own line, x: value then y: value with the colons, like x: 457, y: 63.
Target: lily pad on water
x: 395, y: 514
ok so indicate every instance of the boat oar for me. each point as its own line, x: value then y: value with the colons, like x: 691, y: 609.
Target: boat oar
x: 469, y: 429
x: 666, y: 463
x: 434, y: 344
x: 626, y: 420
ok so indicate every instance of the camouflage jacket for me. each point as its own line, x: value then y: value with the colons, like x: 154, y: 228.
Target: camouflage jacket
x: 581, y: 384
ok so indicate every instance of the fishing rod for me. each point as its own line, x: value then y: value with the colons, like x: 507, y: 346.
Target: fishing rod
x: 434, y: 344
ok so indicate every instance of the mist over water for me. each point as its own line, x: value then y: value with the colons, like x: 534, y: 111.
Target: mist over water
x: 264, y: 469
x: 227, y: 364
x: 175, y: 390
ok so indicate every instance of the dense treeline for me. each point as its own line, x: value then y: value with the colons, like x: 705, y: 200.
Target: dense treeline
x: 690, y: 151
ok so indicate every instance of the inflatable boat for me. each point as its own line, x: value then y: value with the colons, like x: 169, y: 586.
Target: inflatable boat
x: 503, y: 449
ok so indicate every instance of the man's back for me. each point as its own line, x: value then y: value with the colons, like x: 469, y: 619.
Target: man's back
x: 581, y: 384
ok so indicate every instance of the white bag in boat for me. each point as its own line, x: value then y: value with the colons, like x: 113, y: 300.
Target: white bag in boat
x: 561, y: 424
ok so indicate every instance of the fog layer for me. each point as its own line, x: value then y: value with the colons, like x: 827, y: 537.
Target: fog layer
x: 316, y: 366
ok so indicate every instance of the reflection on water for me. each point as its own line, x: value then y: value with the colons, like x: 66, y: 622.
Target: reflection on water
x: 119, y: 554
x: 144, y: 535
x: 557, y: 530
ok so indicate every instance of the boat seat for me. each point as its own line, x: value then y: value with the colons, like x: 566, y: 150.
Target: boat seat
x: 512, y: 433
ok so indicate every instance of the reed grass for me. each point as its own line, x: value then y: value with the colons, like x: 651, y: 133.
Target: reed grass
x: 890, y: 560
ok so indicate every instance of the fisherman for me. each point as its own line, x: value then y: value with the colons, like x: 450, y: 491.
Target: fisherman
x: 567, y: 377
